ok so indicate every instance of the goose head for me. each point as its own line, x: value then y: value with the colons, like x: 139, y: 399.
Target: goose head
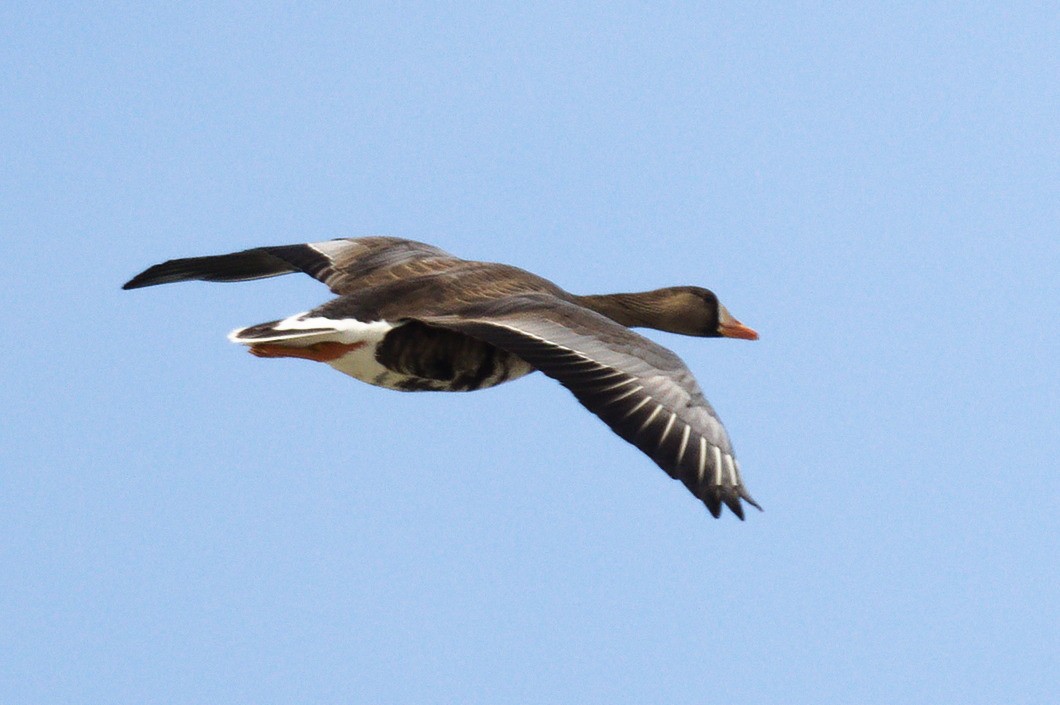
x: 687, y: 310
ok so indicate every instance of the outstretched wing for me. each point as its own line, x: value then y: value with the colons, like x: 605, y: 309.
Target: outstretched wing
x: 344, y: 265
x: 640, y: 389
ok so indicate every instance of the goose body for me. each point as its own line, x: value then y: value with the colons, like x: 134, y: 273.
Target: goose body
x: 411, y: 317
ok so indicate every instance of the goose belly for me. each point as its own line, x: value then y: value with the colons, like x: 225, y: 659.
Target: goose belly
x: 412, y: 357
x: 362, y: 364
x: 406, y: 356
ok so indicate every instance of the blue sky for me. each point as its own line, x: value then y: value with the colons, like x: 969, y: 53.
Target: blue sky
x: 875, y: 190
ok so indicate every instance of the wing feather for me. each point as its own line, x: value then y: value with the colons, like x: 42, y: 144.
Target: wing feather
x: 344, y: 264
x: 643, y: 391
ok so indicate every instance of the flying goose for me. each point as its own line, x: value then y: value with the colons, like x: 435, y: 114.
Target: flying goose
x: 412, y: 317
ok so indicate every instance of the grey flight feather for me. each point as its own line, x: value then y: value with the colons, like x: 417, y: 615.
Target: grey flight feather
x: 648, y: 399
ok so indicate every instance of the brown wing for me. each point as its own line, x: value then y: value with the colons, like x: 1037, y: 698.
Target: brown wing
x: 345, y: 265
x: 640, y: 389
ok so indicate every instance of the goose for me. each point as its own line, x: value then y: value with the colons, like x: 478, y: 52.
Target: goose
x: 412, y: 317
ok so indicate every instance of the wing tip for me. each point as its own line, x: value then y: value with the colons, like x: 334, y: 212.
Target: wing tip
x: 138, y: 282
x: 717, y: 497
x: 164, y: 273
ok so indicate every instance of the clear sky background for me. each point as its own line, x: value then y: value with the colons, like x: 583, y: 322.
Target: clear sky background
x: 875, y: 190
